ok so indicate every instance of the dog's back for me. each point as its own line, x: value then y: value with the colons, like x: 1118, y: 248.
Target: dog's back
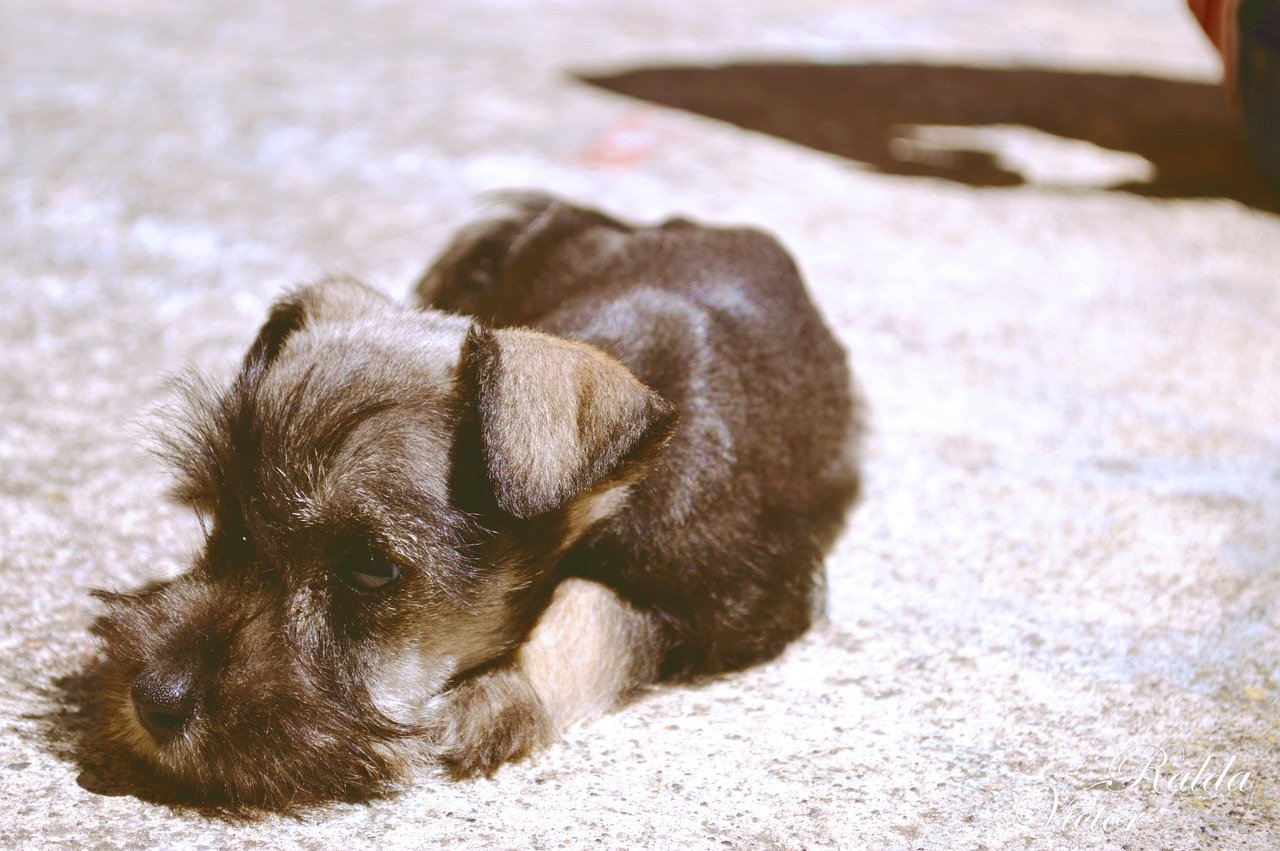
x: 725, y: 537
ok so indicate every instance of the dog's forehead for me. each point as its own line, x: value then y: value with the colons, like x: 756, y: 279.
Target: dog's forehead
x: 351, y: 419
x: 369, y: 392
x: 350, y: 424
x: 414, y: 350
x: 396, y: 361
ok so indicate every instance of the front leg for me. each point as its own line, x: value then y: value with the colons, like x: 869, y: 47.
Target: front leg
x: 491, y: 718
x: 589, y: 652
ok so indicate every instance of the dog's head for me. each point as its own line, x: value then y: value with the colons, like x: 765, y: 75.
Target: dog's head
x: 385, y: 494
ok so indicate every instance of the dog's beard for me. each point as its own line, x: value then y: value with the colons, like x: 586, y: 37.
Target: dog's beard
x: 405, y: 685
x: 291, y: 739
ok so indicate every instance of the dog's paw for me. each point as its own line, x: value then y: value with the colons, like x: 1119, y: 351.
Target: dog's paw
x: 488, y: 720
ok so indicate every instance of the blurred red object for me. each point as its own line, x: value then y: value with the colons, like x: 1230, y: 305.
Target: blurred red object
x: 1219, y: 20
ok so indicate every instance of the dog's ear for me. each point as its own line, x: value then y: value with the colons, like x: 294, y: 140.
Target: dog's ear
x: 556, y: 417
x: 331, y: 300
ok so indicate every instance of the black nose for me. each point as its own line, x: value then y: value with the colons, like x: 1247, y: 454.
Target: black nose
x: 164, y: 700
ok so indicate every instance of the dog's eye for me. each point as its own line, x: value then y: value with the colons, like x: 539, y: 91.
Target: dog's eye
x: 369, y: 571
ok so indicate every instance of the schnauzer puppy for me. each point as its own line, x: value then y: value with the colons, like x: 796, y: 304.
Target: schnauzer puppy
x: 594, y: 457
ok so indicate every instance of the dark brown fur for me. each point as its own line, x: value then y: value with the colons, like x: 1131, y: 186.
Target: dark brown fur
x: 628, y: 469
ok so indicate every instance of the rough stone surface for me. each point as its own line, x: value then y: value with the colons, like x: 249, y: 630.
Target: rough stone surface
x: 1064, y: 316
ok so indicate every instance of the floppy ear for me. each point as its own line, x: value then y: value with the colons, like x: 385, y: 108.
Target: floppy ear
x: 557, y: 416
x: 331, y: 300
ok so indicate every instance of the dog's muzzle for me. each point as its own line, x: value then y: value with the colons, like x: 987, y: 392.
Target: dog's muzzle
x: 164, y: 701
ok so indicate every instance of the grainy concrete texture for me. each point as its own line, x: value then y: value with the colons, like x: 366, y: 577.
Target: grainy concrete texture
x: 1031, y: 223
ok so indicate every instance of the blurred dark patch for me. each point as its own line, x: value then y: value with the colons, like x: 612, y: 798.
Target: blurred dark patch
x: 1187, y: 130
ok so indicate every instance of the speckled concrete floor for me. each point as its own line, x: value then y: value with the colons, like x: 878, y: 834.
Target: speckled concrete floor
x: 1031, y: 224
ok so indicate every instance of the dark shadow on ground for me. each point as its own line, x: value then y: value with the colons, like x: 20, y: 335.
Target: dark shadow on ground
x: 1187, y: 130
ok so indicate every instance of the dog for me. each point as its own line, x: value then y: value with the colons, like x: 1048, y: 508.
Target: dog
x: 593, y: 457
